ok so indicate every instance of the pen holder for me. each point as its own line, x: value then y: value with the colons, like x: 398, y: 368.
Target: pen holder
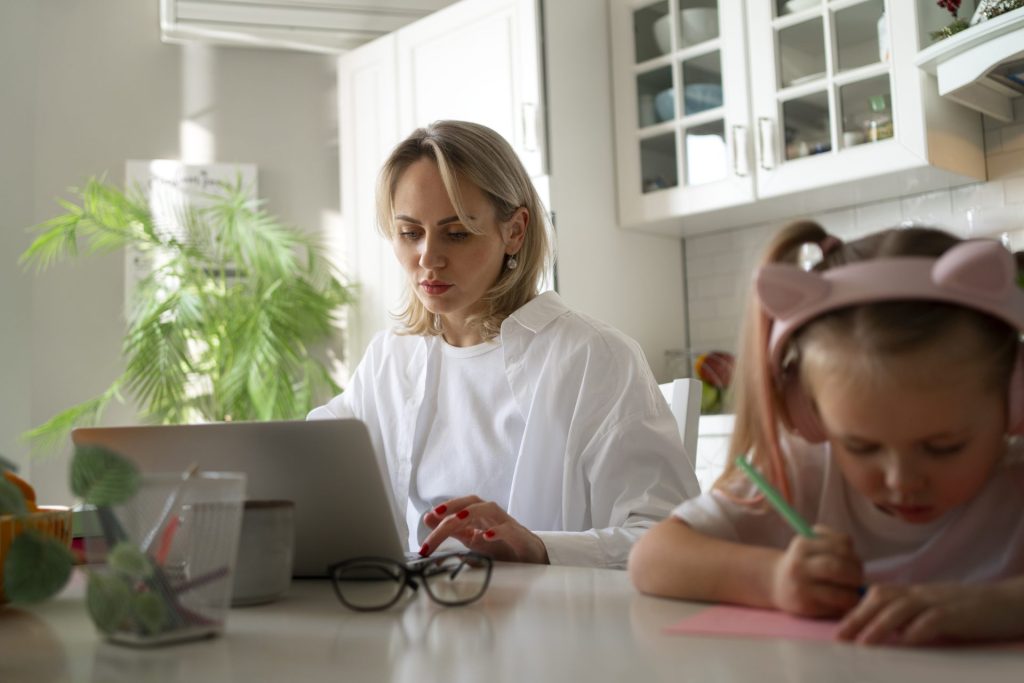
x: 170, y: 558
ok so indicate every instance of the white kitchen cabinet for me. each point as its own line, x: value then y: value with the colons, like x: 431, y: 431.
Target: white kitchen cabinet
x: 475, y: 60
x: 838, y: 114
x: 681, y: 108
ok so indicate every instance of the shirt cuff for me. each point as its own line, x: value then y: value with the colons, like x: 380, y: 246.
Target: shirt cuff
x: 575, y: 548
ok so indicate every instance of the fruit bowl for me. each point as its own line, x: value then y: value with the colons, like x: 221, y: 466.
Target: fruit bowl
x: 714, y: 369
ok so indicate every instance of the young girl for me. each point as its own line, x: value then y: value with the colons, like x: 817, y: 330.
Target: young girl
x: 878, y: 393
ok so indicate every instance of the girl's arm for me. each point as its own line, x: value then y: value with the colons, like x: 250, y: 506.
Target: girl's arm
x: 674, y: 561
x: 818, y: 576
x: 926, y: 613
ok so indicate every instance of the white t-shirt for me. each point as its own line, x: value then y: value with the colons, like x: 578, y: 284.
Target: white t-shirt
x: 472, y: 432
x: 982, y: 540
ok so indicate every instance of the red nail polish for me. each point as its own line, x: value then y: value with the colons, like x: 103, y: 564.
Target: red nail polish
x: 489, y: 533
x: 440, y: 509
x: 463, y: 514
x: 424, y: 550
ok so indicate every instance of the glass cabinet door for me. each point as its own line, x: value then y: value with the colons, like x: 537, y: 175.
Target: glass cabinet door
x: 679, y: 94
x: 831, y: 88
x: 682, y: 109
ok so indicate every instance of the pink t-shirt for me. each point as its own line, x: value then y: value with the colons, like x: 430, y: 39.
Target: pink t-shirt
x: 981, y: 540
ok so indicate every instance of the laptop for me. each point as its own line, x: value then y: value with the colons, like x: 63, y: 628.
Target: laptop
x: 326, y: 467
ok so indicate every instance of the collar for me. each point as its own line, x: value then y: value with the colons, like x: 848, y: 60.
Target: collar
x: 537, y: 314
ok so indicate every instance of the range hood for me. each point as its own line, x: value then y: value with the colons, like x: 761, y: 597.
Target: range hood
x: 981, y: 67
x: 328, y: 26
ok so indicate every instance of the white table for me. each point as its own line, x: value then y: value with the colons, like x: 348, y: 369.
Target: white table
x: 535, y: 624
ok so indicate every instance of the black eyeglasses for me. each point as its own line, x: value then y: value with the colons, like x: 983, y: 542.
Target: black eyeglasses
x: 375, y: 583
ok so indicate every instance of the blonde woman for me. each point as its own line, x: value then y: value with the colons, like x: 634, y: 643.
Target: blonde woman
x: 507, y: 421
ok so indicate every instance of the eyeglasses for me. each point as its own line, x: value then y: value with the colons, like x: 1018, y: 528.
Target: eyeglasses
x: 374, y: 583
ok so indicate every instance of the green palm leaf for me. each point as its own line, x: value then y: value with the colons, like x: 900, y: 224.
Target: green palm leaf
x: 228, y: 322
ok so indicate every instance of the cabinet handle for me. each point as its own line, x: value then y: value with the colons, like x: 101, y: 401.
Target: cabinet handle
x: 740, y: 161
x: 529, y: 116
x: 766, y: 142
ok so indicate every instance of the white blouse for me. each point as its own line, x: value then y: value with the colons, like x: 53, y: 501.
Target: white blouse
x: 600, y: 460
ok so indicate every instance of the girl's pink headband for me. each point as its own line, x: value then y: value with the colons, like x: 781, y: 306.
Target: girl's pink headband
x: 979, y: 274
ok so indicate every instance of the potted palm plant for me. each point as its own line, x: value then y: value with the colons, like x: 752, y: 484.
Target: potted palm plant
x: 221, y: 326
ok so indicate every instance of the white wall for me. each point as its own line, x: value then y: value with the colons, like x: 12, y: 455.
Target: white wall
x: 630, y: 280
x: 17, y: 66
x: 87, y: 86
x: 719, y: 265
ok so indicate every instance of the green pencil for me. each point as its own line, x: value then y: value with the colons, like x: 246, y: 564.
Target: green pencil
x: 778, y: 502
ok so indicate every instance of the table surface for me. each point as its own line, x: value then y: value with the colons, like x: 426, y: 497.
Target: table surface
x: 536, y: 623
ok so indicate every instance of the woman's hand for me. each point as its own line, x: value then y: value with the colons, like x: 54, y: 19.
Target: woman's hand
x: 926, y: 613
x: 485, y: 528
x: 818, y: 577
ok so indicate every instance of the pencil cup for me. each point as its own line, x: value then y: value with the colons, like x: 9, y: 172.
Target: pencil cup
x: 266, y: 549
x: 170, y: 559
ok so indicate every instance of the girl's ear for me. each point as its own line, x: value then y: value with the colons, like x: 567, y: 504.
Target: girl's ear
x: 785, y: 289
x: 982, y: 268
x: 513, y: 231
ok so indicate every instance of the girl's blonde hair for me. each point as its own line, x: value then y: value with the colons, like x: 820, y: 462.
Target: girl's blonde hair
x: 879, y: 330
x: 474, y: 153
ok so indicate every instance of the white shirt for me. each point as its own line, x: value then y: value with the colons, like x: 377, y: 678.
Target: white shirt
x: 981, y: 540
x: 470, y: 388
x: 600, y: 460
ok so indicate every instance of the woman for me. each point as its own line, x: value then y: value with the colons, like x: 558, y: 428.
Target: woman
x: 507, y: 421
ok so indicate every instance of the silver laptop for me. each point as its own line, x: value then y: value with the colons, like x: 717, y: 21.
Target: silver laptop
x: 327, y: 467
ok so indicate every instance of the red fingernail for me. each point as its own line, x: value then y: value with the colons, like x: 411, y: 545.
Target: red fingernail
x: 440, y: 509
x: 463, y: 514
x: 489, y: 533
x: 424, y: 549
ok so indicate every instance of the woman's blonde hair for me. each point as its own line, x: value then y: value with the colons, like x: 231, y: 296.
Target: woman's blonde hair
x: 474, y: 153
x: 879, y: 330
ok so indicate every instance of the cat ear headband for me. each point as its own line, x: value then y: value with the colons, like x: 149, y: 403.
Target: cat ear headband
x: 980, y: 275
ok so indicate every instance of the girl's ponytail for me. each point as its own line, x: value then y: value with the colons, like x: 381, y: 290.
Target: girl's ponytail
x: 755, y: 399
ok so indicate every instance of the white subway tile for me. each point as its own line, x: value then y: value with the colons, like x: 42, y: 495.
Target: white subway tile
x: 977, y: 195
x: 704, y: 245
x: 702, y: 309
x: 1013, y: 190
x: 712, y: 285
x: 927, y: 208
x: 872, y: 217
x: 756, y: 238
x: 836, y: 222
x: 698, y: 266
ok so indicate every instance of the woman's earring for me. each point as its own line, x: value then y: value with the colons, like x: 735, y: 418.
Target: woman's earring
x: 511, y: 263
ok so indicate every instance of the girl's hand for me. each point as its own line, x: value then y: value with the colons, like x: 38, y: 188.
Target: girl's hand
x: 485, y: 528
x: 818, y: 577
x: 926, y: 613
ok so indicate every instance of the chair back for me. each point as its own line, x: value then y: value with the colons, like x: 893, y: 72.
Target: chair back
x: 683, y: 397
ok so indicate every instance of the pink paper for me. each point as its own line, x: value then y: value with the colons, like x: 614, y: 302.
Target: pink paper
x: 727, y: 620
